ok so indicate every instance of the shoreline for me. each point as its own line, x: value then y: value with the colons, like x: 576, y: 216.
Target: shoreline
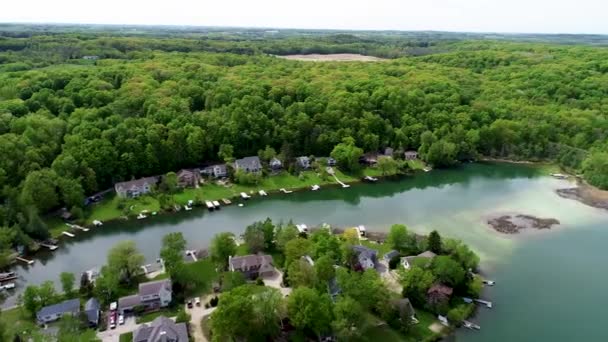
x: 586, y: 194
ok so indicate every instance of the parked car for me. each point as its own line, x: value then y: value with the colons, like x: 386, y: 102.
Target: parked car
x: 113, y: 306
x: 197, y: 301
x: 189, y: 303
x: 121, y: 319
x: 112, y: 320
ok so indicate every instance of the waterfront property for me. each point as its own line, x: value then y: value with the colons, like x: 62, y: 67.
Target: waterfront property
x: 389, y: 152
x: 275, y: 164
x: 390, y: 255
x: 188, y: 178
x: 92, y: 311
x: 303, y: 163
x: 54, y: 312
x: 248, y: 164
x: 215, y: 171
x: 135, y: 188
x: 410, y: 155
x: 366, y: 257
x: 151, y: 295
x: 439, y: 294
x: 424, y: 257
x: 252, y: 266
x: 162, y: 329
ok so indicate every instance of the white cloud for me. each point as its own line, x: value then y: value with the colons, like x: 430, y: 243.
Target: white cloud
x: 543, y: 16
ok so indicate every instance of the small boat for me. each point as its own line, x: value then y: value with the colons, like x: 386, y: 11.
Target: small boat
x: 216, y: 204
x: 68, y: 234
x: 489, y: 282
x: 97, y: 223
x: 488, y: 304
x: 283, y: 190
x: 187, y: 208
x: 141, y: 216
x: 315, y: 187
x: 209, y: 205
x: 370, y: 179
x: 241, y: 205
x: 262, y: 193
x: 245, y: 196
x: 226, y: 201
x: 559, y: 176
x: 471, y: 325
x: 154, y: 213
x: 8, y: 276
x: 7, y: 286
x: 302, y: 228
x: 427, y: 169
x: 190, y: 203
x: 346, y: 185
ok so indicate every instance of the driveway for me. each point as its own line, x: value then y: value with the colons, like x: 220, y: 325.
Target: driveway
x: 275, y: 281
x: 390, y: 277
x: 112, y: 335
x: 197, y: 313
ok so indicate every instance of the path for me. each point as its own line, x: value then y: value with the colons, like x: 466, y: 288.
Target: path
x: 197, y: 313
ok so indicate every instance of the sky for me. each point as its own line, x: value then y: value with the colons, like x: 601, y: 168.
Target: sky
x: 516, y: 16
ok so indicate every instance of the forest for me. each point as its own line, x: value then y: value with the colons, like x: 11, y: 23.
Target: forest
x: 82, y: 110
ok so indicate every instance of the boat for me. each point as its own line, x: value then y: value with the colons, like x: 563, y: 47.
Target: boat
x: 489, y: 282
x: 8, y: 276
x: 471, y: 325
x: 216, y: 204
x: 370, y: 179
x: 283, y: 190
x: 97, y: 223
x: 488, y: 304
x: 346, y: 185
x: 559, y: 176
x: 427, y: 169
x: 262, y: 193
x: 302, y: 228
x: 190, y: 203
x: 245, y: 196
x: 315, y: 187
x: 226, y: 201
x: 7, y: 286
x: 241, y: 205
x: 141, y: 216
x: 209, y: 205
x: 443, y: 320
x: 187, y: 208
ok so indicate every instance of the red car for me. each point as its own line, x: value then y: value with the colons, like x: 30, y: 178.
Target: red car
x: 112, y: 319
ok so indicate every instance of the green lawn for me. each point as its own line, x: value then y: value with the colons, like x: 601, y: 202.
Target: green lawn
x: 205, y: 274
x: 15, y: 323
x: 382, y: 248
x: 126, y: 337
x: 167, y: 312
x: 419, y: 332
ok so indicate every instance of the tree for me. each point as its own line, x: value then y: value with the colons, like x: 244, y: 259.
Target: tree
x: 351, y: 236
x: 434, y: 242
x: 172, y: 253
x: 226, y: 153
x: 254, y: 237
x: 448, y: 271
x: 387, y: 165
x: 106, y: 285
x: 307, y: 309
x: 301, y: 273
x: 67, y: 282
x: 416, y: 282
x: 461, y: 253
x: 126, y: 260
x: 324, y: 269
x: 325, y: 243
x: 267, y: 154
x: 31, y: 301
x: 347, y: 154
x: 222, y: 247
x: 366, y: 287
x: 349, y: 319
x: 401, y: 240
x: 460, y: 313
x: 230, y: 280
x: 47, y: 293
x: 286, y: 234
x: 169, y: 183
x: 295, y: 249
x: 86, y: 287
x: 595, y: 168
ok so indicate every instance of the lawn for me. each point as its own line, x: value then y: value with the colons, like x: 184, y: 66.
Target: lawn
x: 14, y: 322
x: 167, y: 312
x: 419, y: 332
x: 382, y: 248
x: 126, y: 337
x: 205, y: 274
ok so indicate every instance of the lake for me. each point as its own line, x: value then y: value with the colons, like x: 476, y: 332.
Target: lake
x: 549, y: 283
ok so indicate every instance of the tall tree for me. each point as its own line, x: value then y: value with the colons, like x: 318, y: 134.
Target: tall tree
x: 307, y: 309
x: 347, y: 154
x: 172, y: 253
x: 350, y: 319
x: 434, y: 242
x: 67, y: 282
x: 222, y: 247
x: 126, y: 260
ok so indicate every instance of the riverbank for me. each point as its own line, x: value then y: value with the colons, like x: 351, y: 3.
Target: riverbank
x: 586, y: 194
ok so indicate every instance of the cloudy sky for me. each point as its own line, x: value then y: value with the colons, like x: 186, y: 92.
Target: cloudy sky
x: 538, y: 16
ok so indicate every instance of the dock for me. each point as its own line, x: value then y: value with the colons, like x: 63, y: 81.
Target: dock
x: 9, y: 275
x: 7, y: 286
x: 75, y: 226
x: 49, y: 246
x: 471, y: 325
x: 315, y: 187
x: 488, y: 304
x: 216, y: 204
x: 68, y: 234
x: 29, y: 262
x: 187, y: 208
x: 226, y: 201
x: 209, y: 205
x: 192, y: 254
x: 262, y: 193
x: 489, y: 282
x: 245, y: 196
x: 344, y: 185
x: 97, y: 223
x: 283, y: 190
x: 370, y: 179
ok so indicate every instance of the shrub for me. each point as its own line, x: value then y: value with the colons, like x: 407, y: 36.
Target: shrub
x: 259, y: 281
x: 213, y: 302
x: 182, y: 317
x: 394, y: 262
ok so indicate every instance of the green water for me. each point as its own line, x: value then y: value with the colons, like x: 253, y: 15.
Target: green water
x: 549, y: 284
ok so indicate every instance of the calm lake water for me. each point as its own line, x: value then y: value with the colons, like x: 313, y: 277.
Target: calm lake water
x: 550, y: 284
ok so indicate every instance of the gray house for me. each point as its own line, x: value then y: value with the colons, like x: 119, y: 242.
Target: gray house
x: 162, y: 329
x: 248, y: 164
x: 135, y: 188
x: 151, y: 295
x: 54, y: 312
x: 275, y: 164
x: 331, y: 161
x: 92, y: 309
x: 252, y: 266
x: 303, y: 162
x: 366, y: 257
x: 410, y: 155
x: 216, y: 171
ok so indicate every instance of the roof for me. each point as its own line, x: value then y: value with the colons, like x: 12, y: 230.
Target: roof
x: 365, y: 250
x: 91, y: 309
x: 248, y: 163
x: 275, y: 161
x: 187, y: 172
x: 137, y: 183
x: 154, y: 287
x: 71, y: 305
x: 391, y: 254
x: 427, y: 254
x: 442, y: 289
x: 129, y: 301
x: 411, y: 152
x: 162, y: 329
x: 248, y: 261
x: 405, y: 306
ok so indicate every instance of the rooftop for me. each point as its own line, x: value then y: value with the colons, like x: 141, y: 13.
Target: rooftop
x: 71, y: 305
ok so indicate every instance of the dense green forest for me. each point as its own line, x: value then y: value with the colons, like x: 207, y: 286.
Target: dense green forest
x: 150, y: 104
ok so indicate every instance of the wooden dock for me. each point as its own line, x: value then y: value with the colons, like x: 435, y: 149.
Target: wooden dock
x: 209, y: 205
x: 29, y: 262
x: 68, y: 234
x: 49, y: 246
x: 226, y: 201
x: 216, y: 204
x: 488, y: 304
x: 471, y: 325
x: 75, y: 226
x: 283, y: 190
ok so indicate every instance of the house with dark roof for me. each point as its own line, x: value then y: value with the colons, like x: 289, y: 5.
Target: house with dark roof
x: 92, y: 310
x: 54, y: 312
x: 369, y: 159
x: 275, y: 164
x: 439, y: 294
x: 410, y: 155
x: 216, y: 171
x: 135, y: 188
x: 188, y: 178
x: 366, y: 257
x: 303, y: 163
x: 151, y: 295
x: 405, y: 309
x: 252, y: 266
x: 162, y: 329
x: 248, y: 164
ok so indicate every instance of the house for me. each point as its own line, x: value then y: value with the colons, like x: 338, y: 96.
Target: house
x: 162, y: 329
x: 252, y: 266
x: 249, y: 164
x: 388, y: 152
x: 275, y: 164
x: 135, y: 188
x: 390, y: 255
x: 92, y: 310
x: 331, y: 161
x: 366, y: 257
x: 54, y: 312
x: 439, y: 294
x: 91, y: 58
x: 369, y: 159
x: 303, y: 163
x: 216, y: 171
x: 408, y: 261
x: 410, y: 155
x: 151, y: 295
x: 405, y: 308
x: 188, y: 178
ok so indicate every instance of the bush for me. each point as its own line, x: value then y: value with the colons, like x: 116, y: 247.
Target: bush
x: 259, y: 281
x: 213, y: 302
x: 394, y: 262
x: 460, y: 313
x: 182, y: 317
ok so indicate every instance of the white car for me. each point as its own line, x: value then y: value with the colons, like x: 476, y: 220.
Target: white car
x: 197, y: 301
x: 121, y: 319
x: 113, y: 306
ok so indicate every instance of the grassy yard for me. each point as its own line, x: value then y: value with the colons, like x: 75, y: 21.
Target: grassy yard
x: 14, y: 322
x: 126, y: 337
x: 419, y: 332
x: 382, y: 248
x: 167, y: 312
x: 205, y: 273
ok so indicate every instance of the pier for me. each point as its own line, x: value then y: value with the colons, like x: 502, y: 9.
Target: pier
x: 49, y: 246
x: 245, y: 196
x: 283, y: 190
x: 68, y: 234
x: 209, y: 205
x: 488, y: 304
x: 216, y: 204
x: 471, y: 325
x: 226, y: 201
x: 24, y: 260
x: 262, y: 193
x: 75, y: 226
